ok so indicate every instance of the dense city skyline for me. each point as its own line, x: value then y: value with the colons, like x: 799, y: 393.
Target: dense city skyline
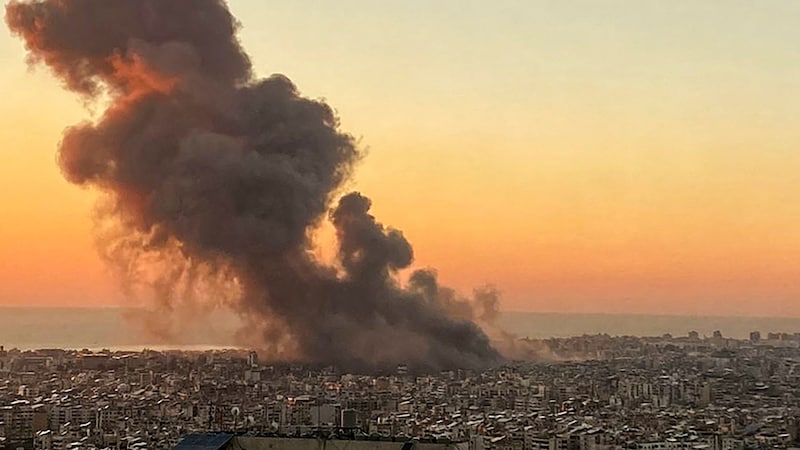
x: 592, y: 393
x: 581, y: 158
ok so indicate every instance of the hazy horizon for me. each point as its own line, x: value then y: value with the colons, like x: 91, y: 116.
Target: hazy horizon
x: 108, y: 327
x: 502, y: 310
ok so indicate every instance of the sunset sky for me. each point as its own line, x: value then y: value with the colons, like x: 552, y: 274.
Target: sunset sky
x: 583, y: 156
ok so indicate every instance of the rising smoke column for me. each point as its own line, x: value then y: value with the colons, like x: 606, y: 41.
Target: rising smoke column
x: 214, y: 179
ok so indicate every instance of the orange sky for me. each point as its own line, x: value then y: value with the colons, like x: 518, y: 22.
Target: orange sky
x: 581, y: 158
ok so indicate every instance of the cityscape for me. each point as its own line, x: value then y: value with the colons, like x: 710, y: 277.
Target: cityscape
x: 399, y: 225
x: 595, y: 392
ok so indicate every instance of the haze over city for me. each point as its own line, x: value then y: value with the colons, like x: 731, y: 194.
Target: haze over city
x: 623, y: 158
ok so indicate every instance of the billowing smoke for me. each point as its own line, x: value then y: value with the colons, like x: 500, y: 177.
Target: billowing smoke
x: 213, y: 181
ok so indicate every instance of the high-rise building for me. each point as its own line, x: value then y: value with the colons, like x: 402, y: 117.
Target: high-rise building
x: 252, y: 359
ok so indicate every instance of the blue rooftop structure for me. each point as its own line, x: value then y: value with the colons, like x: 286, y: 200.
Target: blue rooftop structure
x: 203, y: 441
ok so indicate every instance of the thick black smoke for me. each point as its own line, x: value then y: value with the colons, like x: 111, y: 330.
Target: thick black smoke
x: 214, y: 180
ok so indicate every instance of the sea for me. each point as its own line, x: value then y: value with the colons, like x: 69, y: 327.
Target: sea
x: 122, y: 328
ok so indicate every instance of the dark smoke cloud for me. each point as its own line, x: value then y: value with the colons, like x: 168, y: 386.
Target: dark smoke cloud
x: 214, y: 180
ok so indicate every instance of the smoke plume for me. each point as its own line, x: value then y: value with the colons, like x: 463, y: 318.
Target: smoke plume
x: 213, y: 180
